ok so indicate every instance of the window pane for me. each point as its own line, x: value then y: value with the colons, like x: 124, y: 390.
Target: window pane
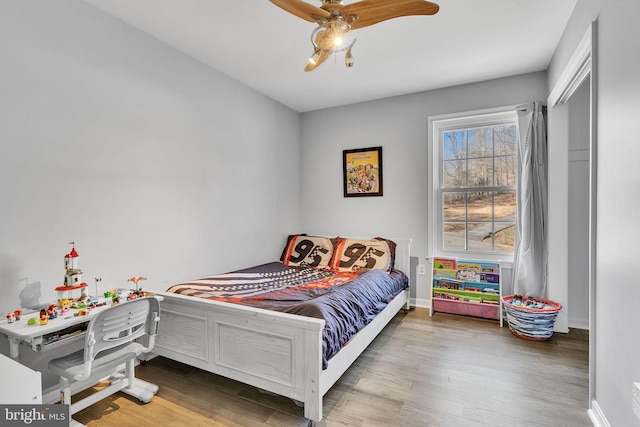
x: 505, y: 236
x: 481, y: 173
x: 505, y: 206
x: 479, y: 237
x: 480, y: 142
x: 481, y: 207
x: 454, y: 236
x: 454, y: 174
x: 504, y: 140
x: 454, y: 145
x: 454, y: 207
x: 505, y: 171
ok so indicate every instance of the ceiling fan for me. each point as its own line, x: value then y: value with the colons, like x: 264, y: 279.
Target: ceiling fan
x: 335, y: 20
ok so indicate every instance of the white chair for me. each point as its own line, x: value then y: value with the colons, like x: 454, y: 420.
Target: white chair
x: 114, y: 338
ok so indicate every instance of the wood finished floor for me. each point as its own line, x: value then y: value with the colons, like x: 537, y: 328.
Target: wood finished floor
x: 441, y: 371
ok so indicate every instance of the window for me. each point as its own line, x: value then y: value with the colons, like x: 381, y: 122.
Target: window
x: 474, y: 181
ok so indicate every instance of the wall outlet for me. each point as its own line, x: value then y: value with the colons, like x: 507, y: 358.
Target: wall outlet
x: 421, y: 269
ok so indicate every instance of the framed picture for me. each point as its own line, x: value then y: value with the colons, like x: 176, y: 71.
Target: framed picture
x: 362, y: 172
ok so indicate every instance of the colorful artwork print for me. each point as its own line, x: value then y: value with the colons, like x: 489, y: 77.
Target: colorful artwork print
x: 362, y: 172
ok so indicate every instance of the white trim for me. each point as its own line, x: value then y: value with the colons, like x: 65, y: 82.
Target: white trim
x: 473, y: 113
x: 597, y: 416
x: 579, y: 324
x: 435, y: 126
x: 578, y: 68
x: 420, y: 302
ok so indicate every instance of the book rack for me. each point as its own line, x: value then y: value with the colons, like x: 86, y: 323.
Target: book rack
x: 466, y: 287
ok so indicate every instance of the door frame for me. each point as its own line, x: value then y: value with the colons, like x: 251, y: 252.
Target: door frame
x: 580, y: 67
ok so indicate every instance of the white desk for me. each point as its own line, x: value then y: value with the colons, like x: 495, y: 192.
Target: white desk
x: 62, y: 335
x: 64, y: 329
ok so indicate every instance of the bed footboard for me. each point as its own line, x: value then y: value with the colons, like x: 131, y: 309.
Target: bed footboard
x: 278, y: 352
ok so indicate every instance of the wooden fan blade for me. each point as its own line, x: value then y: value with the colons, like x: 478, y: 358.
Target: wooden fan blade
x: 302, y: 9
x: 371, y: 12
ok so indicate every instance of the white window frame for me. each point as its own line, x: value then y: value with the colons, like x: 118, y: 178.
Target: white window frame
x: 436, y: 125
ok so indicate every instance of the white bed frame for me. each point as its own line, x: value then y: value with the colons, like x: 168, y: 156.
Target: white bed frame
x: 274, y: 351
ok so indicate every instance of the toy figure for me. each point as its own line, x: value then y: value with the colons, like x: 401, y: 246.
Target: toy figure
x: 137, y: 292
x: 52, y: 311
x: 64, y: 305
x: 11, y: 317
x: 80, y: 302
x: 44, y: 318
x: 18, y: 314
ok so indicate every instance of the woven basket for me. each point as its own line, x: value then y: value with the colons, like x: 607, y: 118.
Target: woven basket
x: 531, y: 323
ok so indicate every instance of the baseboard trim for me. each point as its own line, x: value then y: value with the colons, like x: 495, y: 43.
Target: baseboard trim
x: 421, y: 303
x: 597, y: 416
x: 578, y: 324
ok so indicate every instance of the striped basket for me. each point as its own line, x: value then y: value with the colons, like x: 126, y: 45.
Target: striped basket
x: 531, y: 323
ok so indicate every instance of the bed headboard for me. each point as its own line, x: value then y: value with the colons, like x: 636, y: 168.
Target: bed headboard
x: 403, y: 255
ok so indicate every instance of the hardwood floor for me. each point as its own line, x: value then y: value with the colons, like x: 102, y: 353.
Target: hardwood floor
x: 442, y: 371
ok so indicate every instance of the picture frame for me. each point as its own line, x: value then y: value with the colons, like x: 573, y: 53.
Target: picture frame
x: 362, y: 172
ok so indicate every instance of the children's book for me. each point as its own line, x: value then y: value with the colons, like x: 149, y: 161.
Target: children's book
x: 444, y: 264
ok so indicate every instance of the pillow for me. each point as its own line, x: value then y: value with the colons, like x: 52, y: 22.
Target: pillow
x: 307, y: 251
x: 352, y: 255
x: 392, y: 248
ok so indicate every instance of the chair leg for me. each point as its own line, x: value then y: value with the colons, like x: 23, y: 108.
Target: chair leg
x: 65, y: 391
x: 140, y: 389
x: 65, y: 399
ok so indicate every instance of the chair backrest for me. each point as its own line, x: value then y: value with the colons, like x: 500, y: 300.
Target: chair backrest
x: 119, y: 325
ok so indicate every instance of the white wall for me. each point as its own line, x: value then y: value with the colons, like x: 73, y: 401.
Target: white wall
x: 399, y: 125
x: 617, y: 292
x: 152, y: 163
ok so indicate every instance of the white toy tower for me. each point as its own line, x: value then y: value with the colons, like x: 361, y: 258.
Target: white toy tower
x: 73, y: 275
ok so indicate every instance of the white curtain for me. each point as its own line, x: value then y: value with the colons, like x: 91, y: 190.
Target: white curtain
x: 530, y: 252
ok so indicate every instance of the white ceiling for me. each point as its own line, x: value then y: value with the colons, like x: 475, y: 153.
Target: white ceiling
x: 266, y: 48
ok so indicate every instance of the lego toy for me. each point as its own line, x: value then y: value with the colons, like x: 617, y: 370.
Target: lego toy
x: 73, y: 276
x: 64, y: 305
x: 44, y: 317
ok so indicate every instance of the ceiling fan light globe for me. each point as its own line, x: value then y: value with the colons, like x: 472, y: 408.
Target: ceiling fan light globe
x: 313, y: 59
x: 348, y: 59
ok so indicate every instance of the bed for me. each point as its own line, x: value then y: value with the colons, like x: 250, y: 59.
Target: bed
x: 250, y: 327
